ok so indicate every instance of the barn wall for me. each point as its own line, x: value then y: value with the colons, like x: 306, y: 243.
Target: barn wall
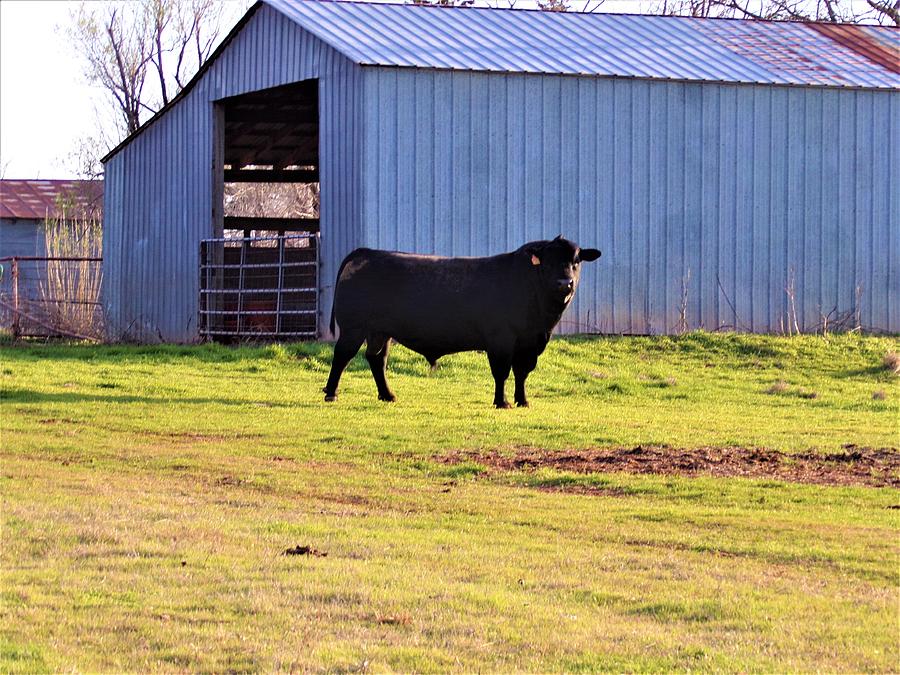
x: 742, y: 187
x: 21, y: 237
x: 159, y: 187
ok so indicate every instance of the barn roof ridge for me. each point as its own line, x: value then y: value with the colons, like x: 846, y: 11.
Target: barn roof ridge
x: 625, y: 46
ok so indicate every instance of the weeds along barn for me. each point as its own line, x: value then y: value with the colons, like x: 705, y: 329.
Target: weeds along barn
x: 735, y: 174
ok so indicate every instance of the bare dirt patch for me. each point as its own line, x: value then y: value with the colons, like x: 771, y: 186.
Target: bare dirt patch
x: 876, y: 467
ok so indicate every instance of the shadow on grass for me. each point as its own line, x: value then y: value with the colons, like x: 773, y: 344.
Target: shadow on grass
x: 30, y: 396
x: 204, y: 353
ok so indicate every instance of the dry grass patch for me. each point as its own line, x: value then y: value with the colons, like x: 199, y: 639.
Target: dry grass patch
x: 779, y: 387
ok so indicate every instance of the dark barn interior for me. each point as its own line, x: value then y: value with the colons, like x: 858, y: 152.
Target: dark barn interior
x: 259, y: 276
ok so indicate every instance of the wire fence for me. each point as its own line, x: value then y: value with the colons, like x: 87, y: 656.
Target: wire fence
x: 51, y: 296
x: 259, y: 287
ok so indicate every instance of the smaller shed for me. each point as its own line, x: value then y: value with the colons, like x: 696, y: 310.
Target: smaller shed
x: 25, y: 206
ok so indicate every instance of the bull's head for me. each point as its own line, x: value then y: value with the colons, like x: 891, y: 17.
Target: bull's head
x: 558, y: 264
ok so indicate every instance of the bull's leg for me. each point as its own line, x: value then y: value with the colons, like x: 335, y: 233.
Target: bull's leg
x: 500, y: 365
x: 377, y: 347
x: 344, y: 350
x: 522, y: 365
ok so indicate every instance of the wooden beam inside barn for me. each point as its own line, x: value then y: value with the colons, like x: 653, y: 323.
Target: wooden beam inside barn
x: 272, y: 224
x: 271, y: 175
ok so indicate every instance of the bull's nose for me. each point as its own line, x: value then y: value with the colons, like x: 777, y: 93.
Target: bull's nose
x: 566, y: 285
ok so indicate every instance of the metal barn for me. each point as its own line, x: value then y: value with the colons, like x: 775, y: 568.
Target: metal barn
x: 736, y: 175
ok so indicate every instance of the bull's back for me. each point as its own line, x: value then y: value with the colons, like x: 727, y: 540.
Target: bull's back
x: 428, y: 303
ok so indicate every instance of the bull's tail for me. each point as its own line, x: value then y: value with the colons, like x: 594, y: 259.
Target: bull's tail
x: 336, y: 282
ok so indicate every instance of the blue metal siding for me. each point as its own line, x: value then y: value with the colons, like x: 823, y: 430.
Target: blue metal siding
x: 738, y: 186
x: 159, y: 203
x: 21, y: 237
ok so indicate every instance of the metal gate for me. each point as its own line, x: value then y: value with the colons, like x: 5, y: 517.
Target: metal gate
x: 259, y: 287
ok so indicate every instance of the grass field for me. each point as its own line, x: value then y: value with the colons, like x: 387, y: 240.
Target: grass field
x: 149, y: 493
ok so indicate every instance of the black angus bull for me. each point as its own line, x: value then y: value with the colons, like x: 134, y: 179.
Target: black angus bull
x: 505, y: 305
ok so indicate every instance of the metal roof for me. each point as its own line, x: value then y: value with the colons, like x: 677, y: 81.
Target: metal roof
x: 39, y: 199
x: 612, y: 45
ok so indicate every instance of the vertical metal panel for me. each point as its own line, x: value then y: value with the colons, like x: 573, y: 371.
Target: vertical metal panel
x: 516, y: 106
x: 158, y: 205
x: 705, y: 277
x: 498, y: 172
x: 676, y: 185
x: 745, y: 186
x: 461, y: 187
x: 658, y: 214
x: 892, y: 204
x: 862, y: 178
x: 340, y: 136
x: 829, y: 242
x: 443, y: 219
x: 585, y: 227
x: 424, y: 186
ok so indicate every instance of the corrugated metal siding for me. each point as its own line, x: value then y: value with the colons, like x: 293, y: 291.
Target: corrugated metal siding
x: 159, y: 187
x: 575, y: 43
x: 21, y: 237
x: 742, y: 186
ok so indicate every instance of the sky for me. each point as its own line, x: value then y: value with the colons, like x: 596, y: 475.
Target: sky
x: 44, y: 102
x: 46, y: 105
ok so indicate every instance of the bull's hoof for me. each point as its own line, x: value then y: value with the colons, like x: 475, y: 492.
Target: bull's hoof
x: 389, y: 398
x: 521, y: 404
x: 331, y: 398
x: 502, y: 405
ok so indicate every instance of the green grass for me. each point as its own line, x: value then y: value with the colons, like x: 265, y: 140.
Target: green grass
x: 148, y: 493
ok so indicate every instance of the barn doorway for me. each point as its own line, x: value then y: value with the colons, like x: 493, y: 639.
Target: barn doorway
x: 260, y: 272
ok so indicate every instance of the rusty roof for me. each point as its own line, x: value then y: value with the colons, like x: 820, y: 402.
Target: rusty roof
x: 39, y: 199
x: 878, y: 45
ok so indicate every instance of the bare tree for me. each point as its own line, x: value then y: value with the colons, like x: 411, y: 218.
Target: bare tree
x: 273, y: 200
x: 554, y: 5
x: 447, y: 3
x: 141, y: 54
x: 116, y: 52
x: 831, y: 11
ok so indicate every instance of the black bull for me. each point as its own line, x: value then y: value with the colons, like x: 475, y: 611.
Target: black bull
x: 506, y: 305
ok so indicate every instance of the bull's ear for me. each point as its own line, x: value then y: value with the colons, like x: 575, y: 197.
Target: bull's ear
x: 533, y: 252
x: 589, y: 254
